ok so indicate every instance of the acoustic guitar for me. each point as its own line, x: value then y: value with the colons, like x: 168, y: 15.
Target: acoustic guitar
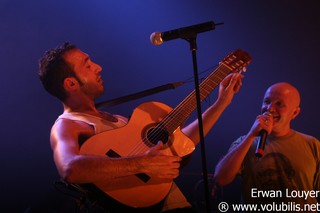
x: 149, y: 123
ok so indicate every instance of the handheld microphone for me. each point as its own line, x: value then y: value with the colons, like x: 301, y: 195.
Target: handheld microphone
x: 262, y: 140
x: 158, y: 38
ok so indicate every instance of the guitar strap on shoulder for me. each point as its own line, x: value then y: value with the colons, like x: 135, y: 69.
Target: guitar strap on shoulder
x: 137, y: 95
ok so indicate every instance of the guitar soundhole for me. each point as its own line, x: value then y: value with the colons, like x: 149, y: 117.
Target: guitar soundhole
x: 156, y: 134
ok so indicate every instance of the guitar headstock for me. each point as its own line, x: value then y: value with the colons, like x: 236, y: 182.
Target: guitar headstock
x: 237, y: 60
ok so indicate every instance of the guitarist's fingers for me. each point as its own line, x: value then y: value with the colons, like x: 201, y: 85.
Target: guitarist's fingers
x: 156, y: 148
x: 170, y: 175
x: 238, y: 83
x: 229, y: 86
x: 170, y: 170
x: 226, y: 81
x: 163, y: 166
x: 235, y: 81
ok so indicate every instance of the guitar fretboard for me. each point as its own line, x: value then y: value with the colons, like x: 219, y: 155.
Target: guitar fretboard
x: 179, y: 114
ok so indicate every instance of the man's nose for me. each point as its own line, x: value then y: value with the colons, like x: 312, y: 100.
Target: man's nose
x: 98, y: 68
x: 270, y: 107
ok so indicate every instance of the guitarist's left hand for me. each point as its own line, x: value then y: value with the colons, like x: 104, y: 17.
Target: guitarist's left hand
x: 228, y: 87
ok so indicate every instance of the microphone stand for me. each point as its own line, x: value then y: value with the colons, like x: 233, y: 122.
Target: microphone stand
x: 191, y: 38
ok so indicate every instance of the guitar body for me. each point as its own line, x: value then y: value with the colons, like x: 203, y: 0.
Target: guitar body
x: 134, y: 139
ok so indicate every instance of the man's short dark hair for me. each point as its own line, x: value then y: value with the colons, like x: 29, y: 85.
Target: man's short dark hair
x: 53, y: 69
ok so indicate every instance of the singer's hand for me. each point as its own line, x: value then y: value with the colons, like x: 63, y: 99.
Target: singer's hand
x: 262, y: 122
x: 228, y: 87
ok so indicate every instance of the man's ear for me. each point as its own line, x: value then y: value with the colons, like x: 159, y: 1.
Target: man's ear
x: 69, y: 83
x: 296, y: 113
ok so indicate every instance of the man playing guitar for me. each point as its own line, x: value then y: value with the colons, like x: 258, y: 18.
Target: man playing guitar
x: 69, y: 74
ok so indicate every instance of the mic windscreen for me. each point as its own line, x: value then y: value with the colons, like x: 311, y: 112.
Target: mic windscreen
x: 156, y: 38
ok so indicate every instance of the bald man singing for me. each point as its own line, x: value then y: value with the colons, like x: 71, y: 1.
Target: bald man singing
x: 287, y: 175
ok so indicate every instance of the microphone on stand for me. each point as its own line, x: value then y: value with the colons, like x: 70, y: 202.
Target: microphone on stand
x: 157, y: 38
x: 262, y: 139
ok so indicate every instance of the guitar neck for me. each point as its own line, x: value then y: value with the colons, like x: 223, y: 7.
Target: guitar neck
x: 179, y: 114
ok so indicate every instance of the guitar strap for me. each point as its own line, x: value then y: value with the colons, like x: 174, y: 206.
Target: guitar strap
x: 137, y: 95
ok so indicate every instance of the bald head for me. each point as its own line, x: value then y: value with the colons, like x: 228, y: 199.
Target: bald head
x: 282, y: 100
x: 286, y: 89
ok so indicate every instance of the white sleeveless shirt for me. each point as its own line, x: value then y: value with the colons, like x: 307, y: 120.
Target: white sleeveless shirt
x: 99, y: 124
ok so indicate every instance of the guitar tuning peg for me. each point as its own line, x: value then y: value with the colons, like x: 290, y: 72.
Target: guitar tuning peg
x: 243, y: 69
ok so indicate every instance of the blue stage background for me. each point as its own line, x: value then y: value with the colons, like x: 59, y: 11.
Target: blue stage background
x: 281, y: 36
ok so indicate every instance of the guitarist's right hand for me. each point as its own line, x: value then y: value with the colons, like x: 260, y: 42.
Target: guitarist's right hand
x: 160, y: 165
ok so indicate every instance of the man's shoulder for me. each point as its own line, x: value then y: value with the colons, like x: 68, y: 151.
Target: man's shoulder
x: 307, y: 137
x: 63, y: 125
